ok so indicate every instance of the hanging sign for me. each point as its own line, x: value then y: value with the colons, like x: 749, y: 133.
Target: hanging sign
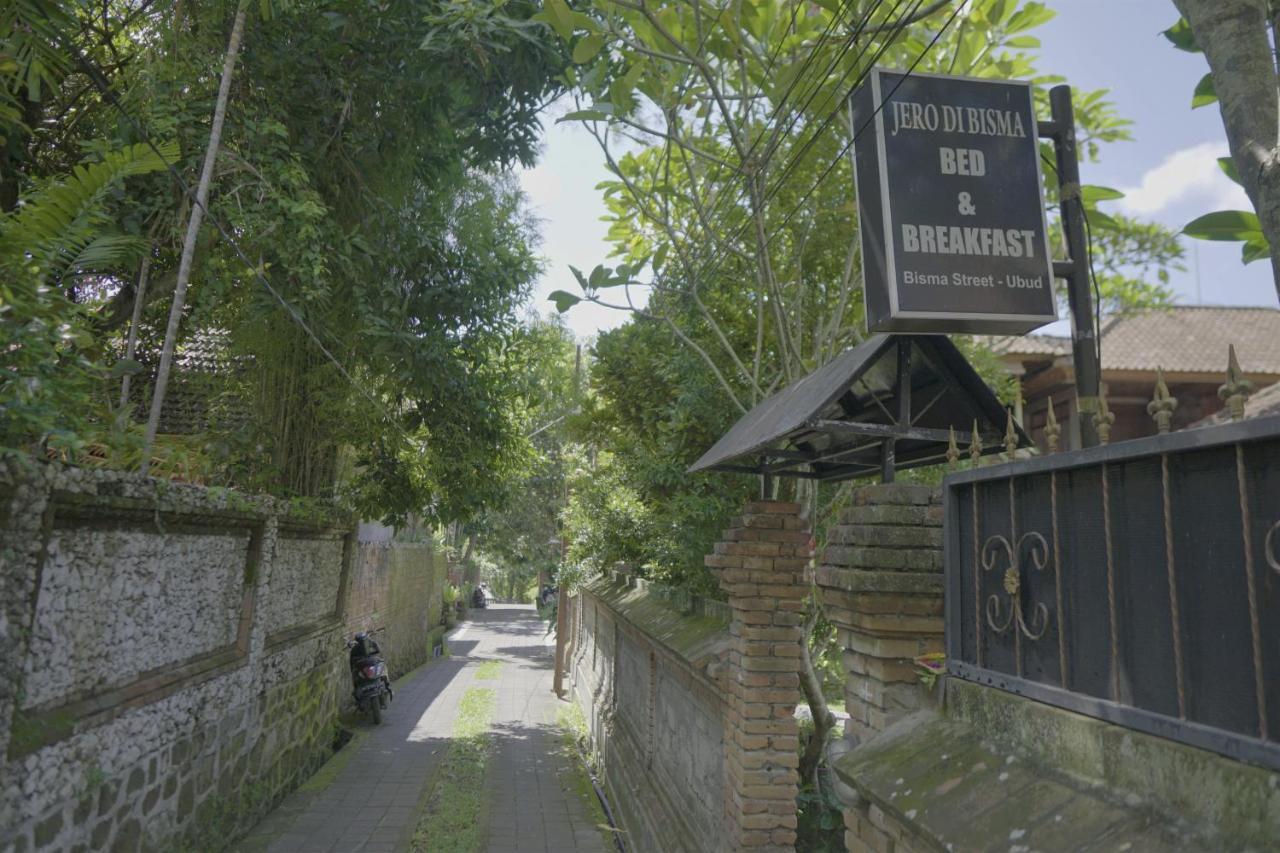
x: 954, y: 237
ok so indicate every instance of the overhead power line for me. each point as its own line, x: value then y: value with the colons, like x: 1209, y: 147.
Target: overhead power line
x: 718, y: 260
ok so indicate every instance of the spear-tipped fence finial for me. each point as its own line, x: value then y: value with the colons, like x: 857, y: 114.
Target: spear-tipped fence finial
x: 1010, y: 437
x: 1052, y: 432
x: 1236, y: 390
x: 975, y: 444
x: 1104, y: 418
x: 953, y: 449
x: 1162, y: 404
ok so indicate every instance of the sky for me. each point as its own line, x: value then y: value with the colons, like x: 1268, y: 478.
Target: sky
x: 1169, y: 172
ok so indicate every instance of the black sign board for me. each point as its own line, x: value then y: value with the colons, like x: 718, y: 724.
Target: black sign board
x: 954, y: 237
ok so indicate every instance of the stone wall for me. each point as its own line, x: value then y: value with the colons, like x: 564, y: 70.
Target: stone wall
x: 641, y: 670
x: 881, y: 582
x: 691, y: 704
x: 174, y: 656
x: 397, y: 590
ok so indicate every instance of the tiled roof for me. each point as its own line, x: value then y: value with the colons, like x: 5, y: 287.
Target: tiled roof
x: 1263, y: 403
x: 1030, y: 345
x: 1181, y: 339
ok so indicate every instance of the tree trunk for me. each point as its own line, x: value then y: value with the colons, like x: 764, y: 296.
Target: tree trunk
x: 1233, y: 36
x: 823, y: 719
x: 470, y: 571
x: 139, y: 297
x: 193, y: 229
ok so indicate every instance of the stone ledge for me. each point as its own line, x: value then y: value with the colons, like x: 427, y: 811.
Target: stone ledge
x: 1001, y: 770
x: 697, y: 640
x: 1237, y: 804
x: 929, y: 782
x: 857, y: 580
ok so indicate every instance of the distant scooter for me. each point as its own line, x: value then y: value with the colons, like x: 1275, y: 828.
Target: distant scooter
x: 371, y: 688
x: 478, y: 599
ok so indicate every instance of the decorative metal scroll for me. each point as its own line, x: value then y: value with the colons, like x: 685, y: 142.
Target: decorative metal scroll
x: 1272, y: 560
x: 1038, y: 551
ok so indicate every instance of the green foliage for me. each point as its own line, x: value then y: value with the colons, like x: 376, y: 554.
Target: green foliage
x: 1231, y: 226
x: 1204, y: 93
x: 1181, y: 37
x: 1226, y: 225
x: 520, y: 535
x: 61, y: 228
x: 373, y: 196
x: 731, y: 200
x: 49, y: 370
x: 652, y: 412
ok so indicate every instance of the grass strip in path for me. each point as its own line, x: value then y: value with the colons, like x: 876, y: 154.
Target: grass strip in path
x: 455, y: 816
x: 490, y: 670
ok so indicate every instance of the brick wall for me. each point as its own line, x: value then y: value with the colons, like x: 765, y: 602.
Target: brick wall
x: 691, y: 705
x: 881, y: 581
x: 760, y: 565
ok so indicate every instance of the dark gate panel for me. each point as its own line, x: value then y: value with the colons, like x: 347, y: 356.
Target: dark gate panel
x: 1137, y: 582
x: 1147, y: 677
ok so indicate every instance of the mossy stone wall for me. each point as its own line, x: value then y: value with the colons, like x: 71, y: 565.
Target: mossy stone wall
x: 160, y: 736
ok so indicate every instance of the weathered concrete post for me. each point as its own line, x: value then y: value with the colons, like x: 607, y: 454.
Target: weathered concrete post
x: 760, y: 564
x: 881, y: 580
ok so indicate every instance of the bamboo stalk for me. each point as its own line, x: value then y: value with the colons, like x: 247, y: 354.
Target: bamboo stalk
x: 189, y: 243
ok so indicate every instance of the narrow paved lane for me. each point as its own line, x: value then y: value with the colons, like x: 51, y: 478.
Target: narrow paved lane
x: 375, y: 798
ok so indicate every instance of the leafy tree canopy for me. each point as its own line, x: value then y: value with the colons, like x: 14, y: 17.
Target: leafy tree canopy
x: 364, y: 259
x: 726, y: 130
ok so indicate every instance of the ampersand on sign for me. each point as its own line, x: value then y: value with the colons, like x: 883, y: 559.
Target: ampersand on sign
x: 966, y: 205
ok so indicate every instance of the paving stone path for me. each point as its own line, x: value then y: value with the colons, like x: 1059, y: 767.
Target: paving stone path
x: 374, y: 800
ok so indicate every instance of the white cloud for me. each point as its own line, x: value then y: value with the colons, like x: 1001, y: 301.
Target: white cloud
x: 1190, y: 174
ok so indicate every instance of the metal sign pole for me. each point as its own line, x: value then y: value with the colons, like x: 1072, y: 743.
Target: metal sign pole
x: 1084, y: 345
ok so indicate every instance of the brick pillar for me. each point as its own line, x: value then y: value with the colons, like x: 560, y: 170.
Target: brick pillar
x: 760, y: 564
x: 881, y: 580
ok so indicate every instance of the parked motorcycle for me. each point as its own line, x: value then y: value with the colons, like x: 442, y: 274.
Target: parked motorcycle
x: 370, y: 686
x: 479, y: 599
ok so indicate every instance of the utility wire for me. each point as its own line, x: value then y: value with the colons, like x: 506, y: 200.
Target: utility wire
x: 1093, y: 275
x: 804, y: 148
x: 736, y: 193
x: 715, y: 263
x: 854, y: 137
x: 714, y: 267
x: 712, y: 261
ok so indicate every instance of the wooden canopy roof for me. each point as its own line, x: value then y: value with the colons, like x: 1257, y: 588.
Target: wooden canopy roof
x: 887, y: 403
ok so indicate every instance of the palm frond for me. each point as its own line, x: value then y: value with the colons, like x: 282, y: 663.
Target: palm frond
x: 107, y: 250
x: 63, y: 218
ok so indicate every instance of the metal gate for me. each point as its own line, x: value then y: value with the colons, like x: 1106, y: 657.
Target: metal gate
x: 1138, y: 583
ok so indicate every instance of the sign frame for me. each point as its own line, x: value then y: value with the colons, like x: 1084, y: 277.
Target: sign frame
x: 884, y: 314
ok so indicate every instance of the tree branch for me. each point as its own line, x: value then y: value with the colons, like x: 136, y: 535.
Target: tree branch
x: 1233, y: 36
